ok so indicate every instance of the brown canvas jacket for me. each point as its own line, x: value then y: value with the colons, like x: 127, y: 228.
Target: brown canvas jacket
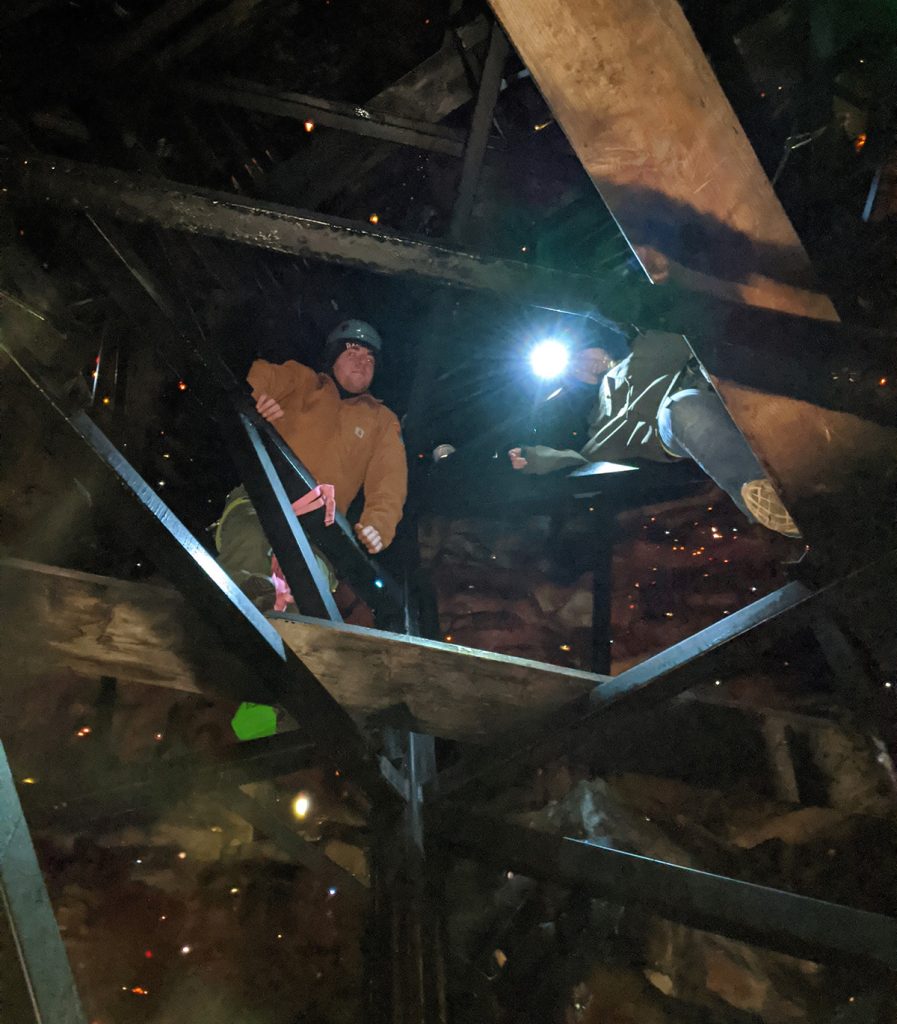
x: 350, y: 443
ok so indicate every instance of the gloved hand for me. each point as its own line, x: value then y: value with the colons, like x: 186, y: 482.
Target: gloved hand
x: 369, y: 537
x: 268, y: 408
x: 517, y: 459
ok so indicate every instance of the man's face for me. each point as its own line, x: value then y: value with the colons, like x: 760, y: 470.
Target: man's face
x: 590, y: 364
x: 354, y: 368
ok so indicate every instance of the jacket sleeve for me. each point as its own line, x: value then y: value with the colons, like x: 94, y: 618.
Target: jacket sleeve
x: 279, y: 380
x: 386, y: 482
x: 541, y: 459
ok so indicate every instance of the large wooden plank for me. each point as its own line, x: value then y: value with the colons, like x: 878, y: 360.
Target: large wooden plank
x: 55, y: 619
x: 642, y: 108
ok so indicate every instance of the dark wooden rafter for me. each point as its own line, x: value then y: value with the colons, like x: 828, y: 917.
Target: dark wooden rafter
x: 177, y: 207
x: 348, y: 117
x: 155, y: 24
x: 434, y: 89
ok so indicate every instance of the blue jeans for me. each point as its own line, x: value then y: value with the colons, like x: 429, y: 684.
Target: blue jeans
x: 695, y: 424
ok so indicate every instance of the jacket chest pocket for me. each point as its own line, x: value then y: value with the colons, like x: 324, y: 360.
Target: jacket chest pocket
x: 357, y: 439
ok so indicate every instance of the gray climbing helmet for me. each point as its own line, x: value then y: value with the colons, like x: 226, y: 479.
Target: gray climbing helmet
x: 359, y: 331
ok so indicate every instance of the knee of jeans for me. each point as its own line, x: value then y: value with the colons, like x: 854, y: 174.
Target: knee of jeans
x: 683, y: 411
x: 665, y: 426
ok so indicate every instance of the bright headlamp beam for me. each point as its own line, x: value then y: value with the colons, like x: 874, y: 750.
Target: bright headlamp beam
x: 549, y: 358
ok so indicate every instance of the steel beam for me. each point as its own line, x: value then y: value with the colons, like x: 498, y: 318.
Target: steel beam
x: 243, y: 630
x: 404, y: 131
x: 784, y: 921
x: 176, y: 207
x: 23, y: 897
x: 652, y: 681
x: 306, y: 579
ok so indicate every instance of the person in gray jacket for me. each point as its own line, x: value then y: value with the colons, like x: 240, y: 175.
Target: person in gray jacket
x: 657, y: 404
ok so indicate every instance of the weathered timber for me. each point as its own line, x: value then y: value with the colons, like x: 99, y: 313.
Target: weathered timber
x: 178, y: 207
x: 236, y: 92
x: 139, y: 632
x: 157, y: 22
x: 434, y: 89
x: 653, y: 129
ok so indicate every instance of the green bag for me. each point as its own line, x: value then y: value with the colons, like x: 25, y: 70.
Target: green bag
x: 253, y: 721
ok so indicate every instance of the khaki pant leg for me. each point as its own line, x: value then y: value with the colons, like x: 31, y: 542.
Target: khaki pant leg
x: 243, y: 548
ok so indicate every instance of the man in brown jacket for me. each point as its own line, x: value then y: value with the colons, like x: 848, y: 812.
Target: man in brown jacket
x: 344, y: 435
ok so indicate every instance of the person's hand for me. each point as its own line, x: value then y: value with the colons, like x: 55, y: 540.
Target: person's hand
x: 268, y: 408
x: 516, y: 457
x: 370, y: 537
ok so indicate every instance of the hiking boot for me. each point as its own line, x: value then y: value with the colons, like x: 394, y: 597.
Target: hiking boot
x: 260, y: 591
x: 766, y: 507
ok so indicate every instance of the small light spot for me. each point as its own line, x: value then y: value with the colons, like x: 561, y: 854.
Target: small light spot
x: 565, y: 647
x: 234, y: 890
x: 182, y: 855
x: 301, y: 805
x: 374, y: 218
x: 309, y: 126
x: 185, y: 950
x: 107, y: 400
x: 182, y: 385
x: 29, y: 781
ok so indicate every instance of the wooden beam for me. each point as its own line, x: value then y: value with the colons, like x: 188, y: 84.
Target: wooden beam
x: 430, y: 92
x: 185, y: 208
x: 642, y: 108
x: 350, y: 117
x: 57, y: 620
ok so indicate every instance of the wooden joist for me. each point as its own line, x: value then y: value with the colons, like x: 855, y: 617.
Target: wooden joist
x: 645, y: 114
x: 56, y: 620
